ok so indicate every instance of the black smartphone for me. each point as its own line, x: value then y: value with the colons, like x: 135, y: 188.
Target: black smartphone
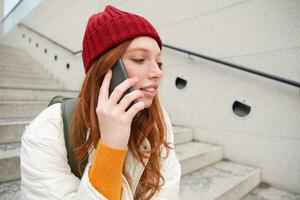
x: 119, y: 75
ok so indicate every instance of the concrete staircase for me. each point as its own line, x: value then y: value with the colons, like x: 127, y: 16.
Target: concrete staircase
x: 205, y: 173
x: 25, y: 90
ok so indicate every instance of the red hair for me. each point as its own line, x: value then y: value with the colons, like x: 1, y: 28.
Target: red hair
x: 148, y: 125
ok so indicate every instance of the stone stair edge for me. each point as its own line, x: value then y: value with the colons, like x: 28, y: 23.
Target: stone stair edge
x: 14, y: 51
x: 8, y: 124
x: 23, y: 101
x: 268, y: 193
x: 11, y: 150
x: 29, y: 80
x: 13, y: 188
x: 26, y: 75
x: 27, y: 60
x: 182, y: 128
x: 38, y: 89
x: 246, y: 176
x: 15, y: 121
x: 23, y: 67
x: 254, y: 172
x: 23, y: 75
x: 206, y: 148
x: 54, y: 86
x: 17, y: 145
x: 10, y: 47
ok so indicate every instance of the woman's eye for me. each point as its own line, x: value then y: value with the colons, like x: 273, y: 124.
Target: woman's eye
x: 140, y: 61
x: 160, y: 64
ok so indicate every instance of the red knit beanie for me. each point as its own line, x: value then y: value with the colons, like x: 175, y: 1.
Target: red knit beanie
x: 108, y: 29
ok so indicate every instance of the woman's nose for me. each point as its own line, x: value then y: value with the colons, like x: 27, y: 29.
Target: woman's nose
x: 156, y: 71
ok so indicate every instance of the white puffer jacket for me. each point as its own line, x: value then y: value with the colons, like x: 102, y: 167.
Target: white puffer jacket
x: 45, y: 173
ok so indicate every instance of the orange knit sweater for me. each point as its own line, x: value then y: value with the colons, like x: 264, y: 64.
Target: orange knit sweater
x: 106, y: 171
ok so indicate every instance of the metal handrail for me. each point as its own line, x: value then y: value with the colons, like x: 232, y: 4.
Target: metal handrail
x: 49, y: 39
x: 228, y: 64
x: 236, y: 66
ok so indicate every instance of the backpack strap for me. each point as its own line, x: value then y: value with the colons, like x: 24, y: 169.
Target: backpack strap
x: 56, y: 99
x: 68, y: 106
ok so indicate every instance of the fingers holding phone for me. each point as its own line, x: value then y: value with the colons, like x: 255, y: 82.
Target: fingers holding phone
x: 103, y: 93
x: 116, y: 109
x: 122, y: 89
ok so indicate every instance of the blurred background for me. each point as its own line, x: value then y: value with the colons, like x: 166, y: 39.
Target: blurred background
x: 231, y: 86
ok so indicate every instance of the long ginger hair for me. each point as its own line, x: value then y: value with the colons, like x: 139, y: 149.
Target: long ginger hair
x: 148, y: 125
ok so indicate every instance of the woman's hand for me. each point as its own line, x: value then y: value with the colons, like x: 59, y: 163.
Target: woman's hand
x: 114, y: 121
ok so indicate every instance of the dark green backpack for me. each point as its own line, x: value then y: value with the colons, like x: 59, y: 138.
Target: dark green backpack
x: 68, y: 106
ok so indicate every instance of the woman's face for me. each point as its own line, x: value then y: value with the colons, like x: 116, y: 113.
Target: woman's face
x: 142, y: 60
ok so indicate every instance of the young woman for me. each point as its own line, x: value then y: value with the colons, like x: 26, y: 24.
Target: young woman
x: 130, y: 155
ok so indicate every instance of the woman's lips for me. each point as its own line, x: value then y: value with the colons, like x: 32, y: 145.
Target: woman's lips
x: 148, y: 93
x: 149, y: 90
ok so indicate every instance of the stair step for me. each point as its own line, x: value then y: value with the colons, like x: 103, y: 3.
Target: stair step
x: 223, y: 180
x: 12, y: 129
x: 16, y: 56
x: 25, y: 63
x: 9, y: 161
x: 36, y: 74
x: 24, y: 75
x: 10, y: 50
x: 18, y: 60
x: 7, y: 53
x: 22, y: 60
x: 183, y: 134
x: 29, y: 85
x: 30, y: 94
x: 196, y: 155
x: 5, y: 80
x: 21, y: 108
x: 269, y: 193
x: 13, y: 68
x: 190, y: 160
x: 10, y: 190
x: 28, y: 80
